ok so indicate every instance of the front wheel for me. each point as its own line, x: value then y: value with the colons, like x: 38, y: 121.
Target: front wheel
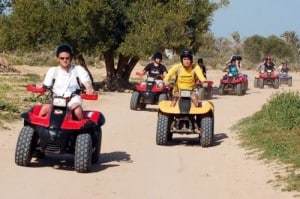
x: 290, y: 82
x: 24, y: 146
x: 261, y: 83
x: 246, y: 85
x: 134, y: 101
x: 163, y: 129
x: 207, y: 132
x: 276, y: 83
x: 83, y: 153
x: 239, y: 89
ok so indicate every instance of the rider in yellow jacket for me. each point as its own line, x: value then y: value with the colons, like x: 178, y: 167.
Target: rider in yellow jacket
x: 186, y: 75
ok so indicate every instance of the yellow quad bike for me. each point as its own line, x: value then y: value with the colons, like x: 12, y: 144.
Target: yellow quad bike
x: 185, y: 118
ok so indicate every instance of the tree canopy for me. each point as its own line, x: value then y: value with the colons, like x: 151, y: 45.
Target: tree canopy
x: 117, y: 30
x: 258, y: 46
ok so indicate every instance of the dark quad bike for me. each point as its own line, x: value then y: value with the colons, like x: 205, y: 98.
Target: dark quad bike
x: 185, y: 118
x: 285, y: 78
x: 235, y: 83
x: 149, y: 92
x: 269, y: 78
x: 58, y: 133
x: 204, y: 90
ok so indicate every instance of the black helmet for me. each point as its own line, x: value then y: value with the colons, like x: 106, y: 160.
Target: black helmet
x: 64, y: 48
x: 186, y: 53
x: 157, y: 55
x: 233, y: 59
x: 238, y: 57
x: 200, y: 61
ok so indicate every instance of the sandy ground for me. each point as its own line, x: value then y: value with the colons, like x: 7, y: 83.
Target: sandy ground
x: 133, y: 166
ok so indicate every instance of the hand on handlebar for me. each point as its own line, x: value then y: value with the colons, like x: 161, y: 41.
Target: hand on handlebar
x: 89, y: 91
x: 140, y: 73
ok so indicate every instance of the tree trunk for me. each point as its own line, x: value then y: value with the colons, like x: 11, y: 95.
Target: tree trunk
x: 117, y: 78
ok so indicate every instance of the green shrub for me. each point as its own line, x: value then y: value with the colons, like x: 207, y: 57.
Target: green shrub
x: 274, y: 131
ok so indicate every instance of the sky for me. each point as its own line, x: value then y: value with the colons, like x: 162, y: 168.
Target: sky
x: 262, y: 17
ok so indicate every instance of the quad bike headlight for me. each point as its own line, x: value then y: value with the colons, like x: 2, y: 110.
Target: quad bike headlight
x: 150, y: 79
x: 185, y: 93
x: 59, y: 101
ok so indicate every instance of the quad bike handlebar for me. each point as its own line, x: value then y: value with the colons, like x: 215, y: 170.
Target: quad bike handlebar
x: 34, y: 89
x: 141, y: 73
x: 205, y: 83
x: 42, y: 90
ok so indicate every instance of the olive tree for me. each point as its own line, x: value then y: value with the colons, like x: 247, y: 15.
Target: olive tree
x: 121, y: 32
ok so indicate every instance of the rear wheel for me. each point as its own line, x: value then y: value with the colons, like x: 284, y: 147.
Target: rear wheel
x: 221, y: 89
x: 162, y: 97
x: 201, y: 93
x: 24, y: 146
x: 207, y: 134
x: 134, y: 101
x: 83, y: 153
x: 163, y: 129
x: 209, y: 93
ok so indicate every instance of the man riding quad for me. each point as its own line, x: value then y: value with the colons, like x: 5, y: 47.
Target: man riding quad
x: 186, y: 73
x: 185, y: 114
x: 152, y: 90
x: 156, y: 69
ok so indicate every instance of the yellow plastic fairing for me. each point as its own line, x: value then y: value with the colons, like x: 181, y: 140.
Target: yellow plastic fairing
x: 165, y: 106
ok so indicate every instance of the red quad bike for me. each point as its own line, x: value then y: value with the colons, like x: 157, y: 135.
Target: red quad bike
x: 204, y: 89
x: 149, y: 92
x: 58, y: 133
x: 268, y: 77
x: 230, y: 82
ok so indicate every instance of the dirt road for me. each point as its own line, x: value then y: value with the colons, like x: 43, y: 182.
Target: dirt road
x: 133, y: 166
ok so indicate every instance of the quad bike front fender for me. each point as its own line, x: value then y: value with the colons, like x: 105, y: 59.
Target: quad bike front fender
x: 165, y: 107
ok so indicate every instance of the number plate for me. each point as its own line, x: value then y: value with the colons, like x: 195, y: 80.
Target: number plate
x: 185, y: 93
x: 269, y: 71
x: 59, y: 101
x: 150, y: 79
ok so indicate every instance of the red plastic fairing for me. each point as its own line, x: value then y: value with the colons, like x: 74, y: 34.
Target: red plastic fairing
x: 141, y: 87
x: 73, y: 124
x: 265, y: 76
x: 206, y: 83
x: 34, y: 89
x: 92, y: 115
x: 210, y: 83
x: 89, y: 97
x: 157, y: 88
x: 36, y: 119
x: 234, y: 80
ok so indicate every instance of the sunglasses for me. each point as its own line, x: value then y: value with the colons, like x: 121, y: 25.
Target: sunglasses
x: 64, y: 58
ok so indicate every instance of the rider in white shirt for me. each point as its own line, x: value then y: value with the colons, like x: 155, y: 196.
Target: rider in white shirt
x: 65, y: 79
